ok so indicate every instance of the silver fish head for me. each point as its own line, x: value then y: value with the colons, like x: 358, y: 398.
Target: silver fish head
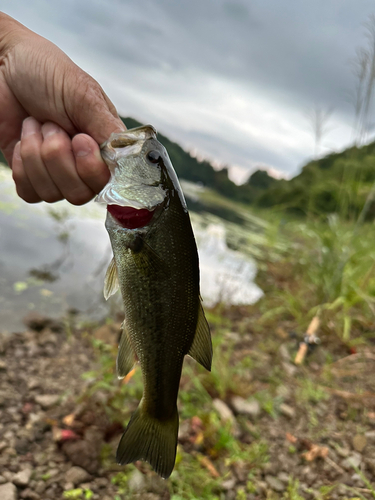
x: 140, y: 168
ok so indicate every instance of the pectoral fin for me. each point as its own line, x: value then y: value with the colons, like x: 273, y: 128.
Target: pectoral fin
x: 126, y: 357
x: 148, y: 261
x: 111, y: 284
x: 201, y: 349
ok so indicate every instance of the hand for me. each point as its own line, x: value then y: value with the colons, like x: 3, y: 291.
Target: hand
x: 52, y: 117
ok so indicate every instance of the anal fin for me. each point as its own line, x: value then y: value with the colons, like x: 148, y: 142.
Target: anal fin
x: 201, y: 349
x: 111, y: 283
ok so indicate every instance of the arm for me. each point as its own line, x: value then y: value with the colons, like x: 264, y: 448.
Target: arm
x: 53, y: 115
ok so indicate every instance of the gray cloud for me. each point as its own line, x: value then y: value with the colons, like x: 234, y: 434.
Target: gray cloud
x: 230, y: 78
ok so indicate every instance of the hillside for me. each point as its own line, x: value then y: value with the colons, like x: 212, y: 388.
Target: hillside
x: 339, y: 182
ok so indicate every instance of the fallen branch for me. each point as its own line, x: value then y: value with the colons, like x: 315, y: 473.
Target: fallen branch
x: 348, y: 395
x: 206, y: 462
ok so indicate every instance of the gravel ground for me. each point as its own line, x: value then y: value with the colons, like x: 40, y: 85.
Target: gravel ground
x: 51, y: 437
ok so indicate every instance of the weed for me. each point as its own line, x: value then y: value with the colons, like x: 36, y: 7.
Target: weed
x: 292, y: 491
x: 78, y: 494
x: 310, y: 391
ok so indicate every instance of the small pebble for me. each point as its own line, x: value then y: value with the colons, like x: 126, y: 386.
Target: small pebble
x: 77, y: 475
x: 8, y: 492
x: 287, y: 411
x: 136, y: 481
x: 245, y: 407
x: 275, y: 483
x: 223, y: 410
x: 47, y: 400
x: 22, y: 478
x: 359, y: 442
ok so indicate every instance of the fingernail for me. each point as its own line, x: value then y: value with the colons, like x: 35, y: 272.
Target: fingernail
x: 83, y: 150
x: 17, y: 151
x: 30, y: 126
x: 49, y: 129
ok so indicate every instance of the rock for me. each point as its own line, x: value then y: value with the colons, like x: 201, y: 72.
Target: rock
x: 68, y: 486
x: 47, y: 337
x: 77, y: 475
x: 370, y: 435
x: 234, y: 336
x: 261, y: 486
x: 284, y: 477
x: 28, y: 494
x: 359, y: 442
x: 36, y: 321
x: 136, y: 481
x: 184, y: 430
x: 101, y: 482
x: 53, y: 472
x: 274, y: 483
x: 229, y: 484
x: 357, y: 480
x: 22, y: 446
x: 84, y: 453
x: 223, y: 410
x: 287, y: 411
x: 8, y: 492
x: 3, y: 365
x: 371, y: 465
x: 22, y: 478
x: 289, y: 368
x: 8, y: 475
x: 87, y: 486
x: 242, y: 406
x: 284, y: 353
x: 270, y: 468
x: 352, y: 461
x: 283, y: 391
x: 2, y: 480
x: 343, y: 452
x: 40, y: 487
x: 47, y: 400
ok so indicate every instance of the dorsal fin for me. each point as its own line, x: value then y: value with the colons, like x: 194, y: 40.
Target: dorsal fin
x: 111, y: 284
x: 201, y: 349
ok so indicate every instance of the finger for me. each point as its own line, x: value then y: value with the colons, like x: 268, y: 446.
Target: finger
x: 90, y: 166
x: 31, y: 143
x: 23, y: 186
x: 12, y: 115
x: 57, y: 156
x: 91, y: 110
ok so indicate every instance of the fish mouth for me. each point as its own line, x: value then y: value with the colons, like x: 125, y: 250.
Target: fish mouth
x: 129, y: 142
x: 129, y: 189
x: 129, y: 217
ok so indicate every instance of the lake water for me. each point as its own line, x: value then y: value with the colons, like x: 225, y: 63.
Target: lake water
x: 53, y: 258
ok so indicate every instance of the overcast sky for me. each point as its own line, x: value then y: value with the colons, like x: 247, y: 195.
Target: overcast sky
x: 231, y: 80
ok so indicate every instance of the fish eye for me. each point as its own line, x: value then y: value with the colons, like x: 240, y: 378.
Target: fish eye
x: 153, y: 156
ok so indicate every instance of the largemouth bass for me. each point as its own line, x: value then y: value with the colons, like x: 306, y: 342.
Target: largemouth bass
x: 156, y: 267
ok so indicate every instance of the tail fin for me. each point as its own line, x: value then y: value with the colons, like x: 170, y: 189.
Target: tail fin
x: 147, y: 438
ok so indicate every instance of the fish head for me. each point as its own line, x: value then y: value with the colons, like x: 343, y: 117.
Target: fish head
x: 142, y: 176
